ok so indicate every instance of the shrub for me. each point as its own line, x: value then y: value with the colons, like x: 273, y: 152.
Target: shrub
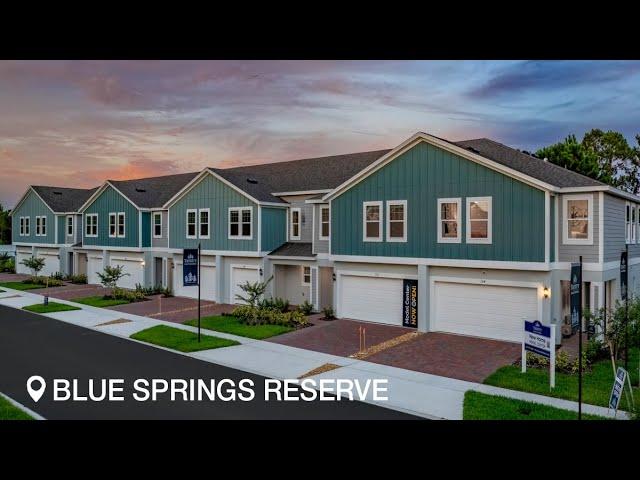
x: 297, y: 318
x: 279, y: 304
x: 8, y: 266
x: 306, y: 307
x: 167, y: 292
x: 595, y: 350
x: 328, y: 313
x: 47, y: 281
x: 110, y: 275
x: 270, y: 316
x: 128, y: 295
x: 57, y: 276
x: 81, y: 278
x: 253, y: 292
x: 34, y: 263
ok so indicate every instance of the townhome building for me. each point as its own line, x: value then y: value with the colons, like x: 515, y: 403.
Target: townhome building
x: 467, y: 237
x: 46, y: 223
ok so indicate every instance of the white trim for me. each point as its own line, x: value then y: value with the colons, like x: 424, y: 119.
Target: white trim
x: 153, y: 223
x: 405, y: 227
x: 239, y: 236
x: 314, y: 293
x: 547, y: 227
x: 114, y: 216
x: 117, y: 249
x: 364, y: 221
x: 320, y: 237
x: 458, y: 202
x: 565, y: 220
x: 302, y: 267
x: 489, y: 239
x: 330, y: 228
x: 86, y: 224
x: 140, y: 230
x: 286, y: 257
x: 360, y: 273
x: 291, y: 224
x: 36, y: 245
x: 556, y: 222
x: 316, y: 200
x: 124, y: 225
x: 195, y: 224
x: 600, y: 227
x: 66, y: 226
x: 313, y: 229
x: 208, y: 236
x: 225, y: 253
x: 300, y: 192
x: 443, y: 262
x: 55, y: 227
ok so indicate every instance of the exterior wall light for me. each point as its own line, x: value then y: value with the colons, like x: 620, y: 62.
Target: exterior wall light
x: 546, y: 292
x: 333, y: 276
x: 261, y: 273
x: 142, y: 263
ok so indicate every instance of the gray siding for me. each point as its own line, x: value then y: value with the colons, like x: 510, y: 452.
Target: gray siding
x: 319, y: 246
x: 288, y: 284
x: 306, y: 220
x: 160, y: 242
x: 614, y: 230
x: 571, y: 253
x: 78, y: 226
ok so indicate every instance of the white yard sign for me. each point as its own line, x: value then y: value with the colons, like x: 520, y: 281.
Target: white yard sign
x: 540, y: 339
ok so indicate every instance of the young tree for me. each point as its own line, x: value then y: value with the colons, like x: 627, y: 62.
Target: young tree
x: 254, y: 292
x: 5, y: 226
x: 110, y: 276
x: 34, y: 263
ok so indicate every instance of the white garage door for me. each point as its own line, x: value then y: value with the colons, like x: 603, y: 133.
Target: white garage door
x: 19, y: 267
x: 371, y: 298
x: 487, y: 311
x: 239, y: 276
x: 135, y: 269
x: 51, y: 262
x: 208, y: 283
x: 94, y: 265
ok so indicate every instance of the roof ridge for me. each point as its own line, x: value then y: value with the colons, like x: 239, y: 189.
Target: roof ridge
x: 157, y: 176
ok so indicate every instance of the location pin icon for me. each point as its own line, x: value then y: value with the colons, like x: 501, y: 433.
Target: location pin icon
x: 36, y: 393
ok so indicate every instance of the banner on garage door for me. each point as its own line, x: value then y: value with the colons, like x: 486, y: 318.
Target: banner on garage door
x: 190, y: 267
x: 576, y: 301
x: 410, y: 303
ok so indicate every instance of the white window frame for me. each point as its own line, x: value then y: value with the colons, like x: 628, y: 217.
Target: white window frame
x: 489, y: 239
x: 239, y: 236
x: 391, y: 203
x: 364, y: 221
x: 153, y: 224
x: 291, y: 235
x: 458, y: 202
x: 93, y: 223
x: 302, y: 268
x: 124, y: 225
x: 195, y: 224
x: 113, y: 221
x: 72, y: 225
x: 208, y: 235
x: 565, y: 220
x: 38, y: 217
x: 328, y: 222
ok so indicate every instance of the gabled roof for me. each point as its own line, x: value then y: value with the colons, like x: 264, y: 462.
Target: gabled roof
x: 152, y: 192
x: 293, y: 249
x: 256, y: 186
x: 60, y: 199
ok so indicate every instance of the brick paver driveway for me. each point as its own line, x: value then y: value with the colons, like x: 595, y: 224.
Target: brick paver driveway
x: 455, y: 356
x: 173, y: 309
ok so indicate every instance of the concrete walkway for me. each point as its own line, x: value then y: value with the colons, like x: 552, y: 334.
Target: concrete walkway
x: 429, y: 396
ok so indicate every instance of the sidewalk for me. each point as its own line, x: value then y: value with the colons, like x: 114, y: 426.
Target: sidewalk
x: 429, y: 396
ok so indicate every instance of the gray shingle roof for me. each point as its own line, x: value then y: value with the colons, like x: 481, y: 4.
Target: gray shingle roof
x: 260, y: 190
x: 153, y: 192
x: 529, y: 165
x: 62, y: 199
x: 294, y: 249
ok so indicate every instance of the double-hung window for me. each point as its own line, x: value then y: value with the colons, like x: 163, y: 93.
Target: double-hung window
x: 306, y: 275
x: 633, y: 223
x: 91, y: 225
x: 121, y: 224
x: 240, y: 221
x: 113, y: 228
x: 157, y: 224
x: 578, y: 219
x: 294, y: 221
x: 41, y: 226
x: 396, y: 221
x: 69, y: 225
x: 38, y: 226
x: 27, y: 226
x: 372, y: 221
x: 449, y: 215
x: 325, y: 223
x: 203, y: 223
x: 479, y: 219
x: 192, y: 223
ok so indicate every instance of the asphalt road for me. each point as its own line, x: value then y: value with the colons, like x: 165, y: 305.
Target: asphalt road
x: 31, y: 344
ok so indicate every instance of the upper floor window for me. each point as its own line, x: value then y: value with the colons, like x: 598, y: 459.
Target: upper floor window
x: 632, y: 212
x: 578, y: 221
x: 121, y: 224
x: 91, y: 225
x: 306, y: 275
x: 478, y: 219
x: 69, y: 225
x: 325, y: 223
x: 116, y: 224
x: 113, y: 228
x: 449, y: 220
x: 203, y: 222
x: 157, y: 224
x: 240, y: 223
x: 294, y: 232
x: 41, y: 226
x: 192, y: 221
x: 396, y: 221
x: 372, y: 221
x: 25, y: 229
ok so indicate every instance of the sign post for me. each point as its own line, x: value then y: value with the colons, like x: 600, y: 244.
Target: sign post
x: 624, y: 291
x: 410, y: 303
x: 191, y: 273
x: 540, y: 339
x: 576, y: 321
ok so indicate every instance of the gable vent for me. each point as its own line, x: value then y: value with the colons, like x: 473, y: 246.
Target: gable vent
x: 473, y: 150
x: 140, y: 189
x: 57, y: 192
x: 252, y: 180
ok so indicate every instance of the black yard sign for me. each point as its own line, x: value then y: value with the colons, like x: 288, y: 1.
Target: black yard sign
x: 190, y: 267
x: 410, y: 303
x: 623, y: 275
x: 576, y: 303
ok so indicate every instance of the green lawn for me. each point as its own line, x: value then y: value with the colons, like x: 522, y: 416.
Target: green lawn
x: 10, y: 412
x: 100, y: 301
x: 596, y: 384
x: 50, y: 308
x: 480, y: 406
x: 20, y: 285
x: 181, y: 340
x: 229, y: 324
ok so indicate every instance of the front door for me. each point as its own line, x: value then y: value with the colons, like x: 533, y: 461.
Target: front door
x: 157, y: 269
x: 70, y: 269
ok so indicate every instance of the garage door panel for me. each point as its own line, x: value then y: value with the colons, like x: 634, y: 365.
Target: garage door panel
x: 373, y: 299
x: 134, y: 269
x: 94, y: 265
x: 239, y: 276
x: 22, y: 268
x: 488, y: 311
x: 208, y: 284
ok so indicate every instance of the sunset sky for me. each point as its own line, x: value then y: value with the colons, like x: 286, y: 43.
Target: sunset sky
x: 77, y: 123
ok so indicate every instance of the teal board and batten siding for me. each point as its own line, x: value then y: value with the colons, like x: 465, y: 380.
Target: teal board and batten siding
x: 62, y: 230
x: 218, y: 197
x: 423, y: 174
x: 110, y: 201
x: 274, y: 228
x: 146, y: 229
x: 33, y: 207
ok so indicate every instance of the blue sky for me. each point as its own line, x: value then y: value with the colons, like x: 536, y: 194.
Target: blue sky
x: 76, y: 123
